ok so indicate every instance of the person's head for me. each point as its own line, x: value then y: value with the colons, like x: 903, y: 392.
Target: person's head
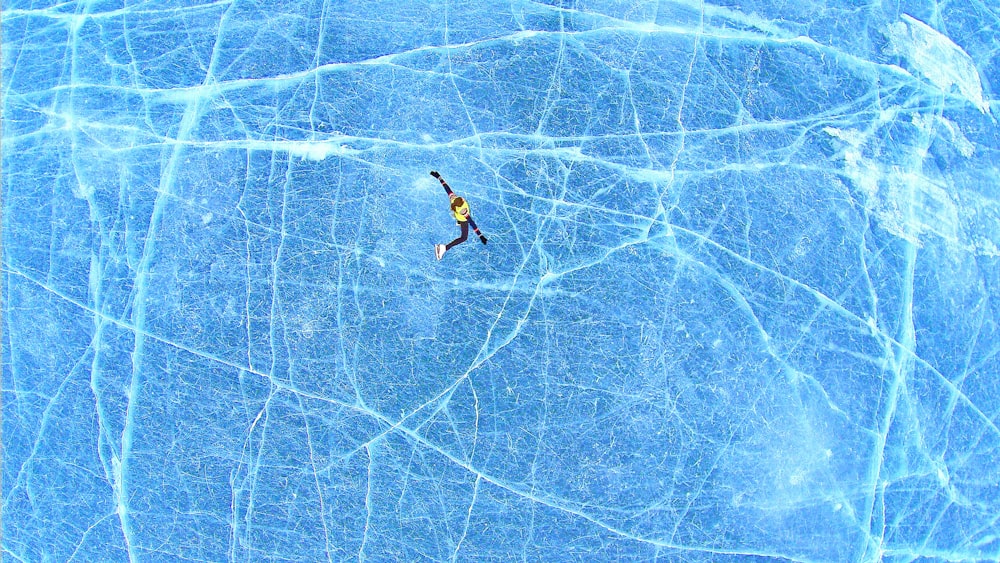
x: 456, y: 201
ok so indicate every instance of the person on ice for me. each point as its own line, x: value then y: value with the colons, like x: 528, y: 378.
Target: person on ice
x: 460, y: 211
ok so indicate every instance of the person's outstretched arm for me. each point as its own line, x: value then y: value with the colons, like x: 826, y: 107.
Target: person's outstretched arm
x: 447, y: 188
x: 475, y: 228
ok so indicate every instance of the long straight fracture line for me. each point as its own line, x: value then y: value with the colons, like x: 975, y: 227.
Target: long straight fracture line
x: 168, y: 178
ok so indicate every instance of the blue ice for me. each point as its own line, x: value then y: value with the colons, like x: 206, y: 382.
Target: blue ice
x: 739, y: 300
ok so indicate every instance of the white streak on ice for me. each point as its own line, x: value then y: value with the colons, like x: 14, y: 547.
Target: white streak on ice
x: 938, y: 59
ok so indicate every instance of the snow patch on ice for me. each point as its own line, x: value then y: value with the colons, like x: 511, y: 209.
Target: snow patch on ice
x: 903, y: 201
x: 316, y: 150
x: 938, y: 59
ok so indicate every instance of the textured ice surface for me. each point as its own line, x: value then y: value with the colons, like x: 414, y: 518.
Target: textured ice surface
x: 938, y: 59
x: 739, y: 300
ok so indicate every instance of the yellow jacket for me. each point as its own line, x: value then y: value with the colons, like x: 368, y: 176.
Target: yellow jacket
x: 460, y: 212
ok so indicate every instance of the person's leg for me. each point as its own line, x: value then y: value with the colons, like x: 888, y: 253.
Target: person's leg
x: 462, y: 238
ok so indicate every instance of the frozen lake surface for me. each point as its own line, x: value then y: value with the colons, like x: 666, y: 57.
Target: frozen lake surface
x: 739, y: 301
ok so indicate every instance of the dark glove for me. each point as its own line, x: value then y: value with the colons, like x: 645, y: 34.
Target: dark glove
x: 482, y: 238
x: 435, y: 174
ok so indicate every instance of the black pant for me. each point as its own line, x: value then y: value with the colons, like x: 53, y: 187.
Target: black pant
x: 461, y: 239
